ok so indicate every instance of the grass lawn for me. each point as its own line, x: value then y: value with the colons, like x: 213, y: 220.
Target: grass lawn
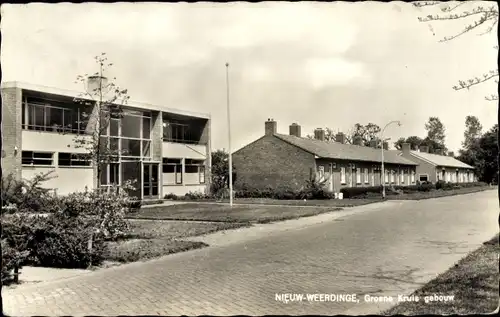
x: 154, y: 238
x: 311, y: 203
x: 225, y: 213
x: 473, y: 281
x: 437, y: 193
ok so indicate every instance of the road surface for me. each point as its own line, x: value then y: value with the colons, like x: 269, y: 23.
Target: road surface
x: 388, y: 249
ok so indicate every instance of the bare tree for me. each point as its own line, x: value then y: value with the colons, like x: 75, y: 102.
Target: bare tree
x: 479, y: 17
x: 103, y: 103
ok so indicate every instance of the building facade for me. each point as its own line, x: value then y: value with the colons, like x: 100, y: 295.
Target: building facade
x: 276, y: 160
x: 434, y: 167
x: 160, y: 150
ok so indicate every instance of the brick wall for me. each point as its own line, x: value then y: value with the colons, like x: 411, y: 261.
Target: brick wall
x: 423, y: 167
x: 270, y: 161
x: 11, y: 131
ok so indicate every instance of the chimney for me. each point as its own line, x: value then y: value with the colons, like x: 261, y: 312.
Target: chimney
x: 373, y: 143
x: 451, y: 153
x: 386, y: 145
x: 424, y: 148
x: 319, y: 134
x: 357, y: 140
x: 340, y: 137
x: 96, y: 82
x: 295, y: 130
x: 271, y: 127
x: 406, y: 148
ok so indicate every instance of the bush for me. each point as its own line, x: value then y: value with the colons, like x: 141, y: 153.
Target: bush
x: 12, y: 261
x: 171, y: 196
x: 195, y: 195
x: 357, y: 192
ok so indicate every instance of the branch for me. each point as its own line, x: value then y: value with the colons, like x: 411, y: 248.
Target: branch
x: 420, y: 4
x: 475, y: 81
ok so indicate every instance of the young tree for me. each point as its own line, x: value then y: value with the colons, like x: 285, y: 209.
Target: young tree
x: 102, y: 103
x: 435, y: 133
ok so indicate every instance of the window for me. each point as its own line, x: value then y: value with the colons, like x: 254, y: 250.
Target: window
x: 131, y: 126
x: 358, y: 175
x: 192, y: 170
x: 131, y: 147
x: 321, y: 173
x: 37, y: 158
x: 366, y: 175
x: 402, y: 180
x: 202, y: 174
x: 386, y: 176
x: 173, y: 170
x: 42, y: 116
x: 146, y: 128
x: 423, y: 178
x: 413, y: 176
x: 110, y: 174
x: 342, y: 175
x: 73, y: 159
x: 392, y: 177
x: 373, y: 177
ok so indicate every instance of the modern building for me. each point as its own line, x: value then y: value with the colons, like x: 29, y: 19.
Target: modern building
x: 290, y: 160
x: 163, y: 150
x: 438, y: 166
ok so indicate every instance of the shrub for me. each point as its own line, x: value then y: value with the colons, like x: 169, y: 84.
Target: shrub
x: 426, y: 187
x: 357, y: 192
x: 171, y: 196
x: 195, y: 195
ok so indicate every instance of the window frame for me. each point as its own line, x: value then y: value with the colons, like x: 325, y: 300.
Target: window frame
x: 74, y: 157
x: 343, y: 180
x: 178, y: 180
x: 420, y: 177
x: 366, y: 172
x: 358, y: 175
x: 33, y: 158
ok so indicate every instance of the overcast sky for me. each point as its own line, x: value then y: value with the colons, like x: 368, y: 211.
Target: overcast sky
x: 317, y: 64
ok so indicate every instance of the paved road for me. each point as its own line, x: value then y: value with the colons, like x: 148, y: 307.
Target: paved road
x: 385, y: 250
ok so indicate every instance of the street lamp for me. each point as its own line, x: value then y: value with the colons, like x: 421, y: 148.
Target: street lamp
x: 229, y: 139
x: 382, y: 178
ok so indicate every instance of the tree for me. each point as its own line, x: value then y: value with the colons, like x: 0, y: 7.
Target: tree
x: 473, y: 130
x: 479, y: 16
x: 329, y: 135
x: 365, y: 132
x: 101, y: 104
x: 486, y: 158
x: 414, y: 142
x: 435, y: 134
x: 220, y: 171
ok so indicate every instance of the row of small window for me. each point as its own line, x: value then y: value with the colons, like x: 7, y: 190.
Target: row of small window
x: 47, y: 159
x: 194, y: 171
x: 366, y: 171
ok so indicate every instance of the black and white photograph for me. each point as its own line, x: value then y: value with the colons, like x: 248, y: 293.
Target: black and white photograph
x: 249, y: 158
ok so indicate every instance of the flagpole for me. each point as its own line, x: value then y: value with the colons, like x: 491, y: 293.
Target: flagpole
x: 229, y: 140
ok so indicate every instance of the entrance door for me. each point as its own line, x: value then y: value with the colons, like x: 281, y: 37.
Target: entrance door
x: 150, y: 181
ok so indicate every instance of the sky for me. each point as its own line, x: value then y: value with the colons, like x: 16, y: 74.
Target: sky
x: 316, y: 64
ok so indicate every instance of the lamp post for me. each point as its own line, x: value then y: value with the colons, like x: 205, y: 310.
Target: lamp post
x: 229, y: 139
x: 382, y: 178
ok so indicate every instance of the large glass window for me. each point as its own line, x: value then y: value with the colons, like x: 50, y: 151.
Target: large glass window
x: 46, y: 117
x: 131, y: 147
x: 342, y: 175
x: 131, y: 126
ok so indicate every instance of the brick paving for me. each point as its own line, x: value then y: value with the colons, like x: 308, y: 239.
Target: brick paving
x: 388, y: 250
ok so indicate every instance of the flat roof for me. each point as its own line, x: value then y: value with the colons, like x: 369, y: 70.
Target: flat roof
x: 75, y: 94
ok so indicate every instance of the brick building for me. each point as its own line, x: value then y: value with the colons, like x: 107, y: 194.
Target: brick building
x: 438, y: 166
x: 164, y: 150
x: 289, y: 160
